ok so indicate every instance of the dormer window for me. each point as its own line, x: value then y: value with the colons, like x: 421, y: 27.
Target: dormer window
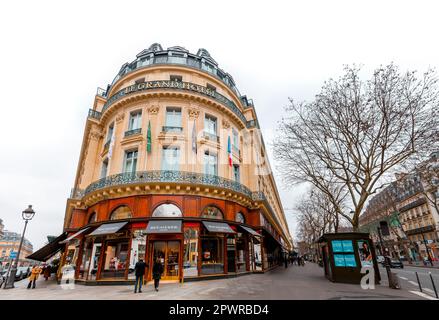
x: 174, y: 77
x: 211, y: 87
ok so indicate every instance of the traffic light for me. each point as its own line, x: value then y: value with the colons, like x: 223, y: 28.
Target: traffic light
x: 384, y: 228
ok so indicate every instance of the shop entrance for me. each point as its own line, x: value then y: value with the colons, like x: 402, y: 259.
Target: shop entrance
x: 169, y: 254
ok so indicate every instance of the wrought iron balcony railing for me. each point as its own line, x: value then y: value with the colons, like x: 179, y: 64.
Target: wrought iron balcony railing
x: 133, y: 132
x: 211, y: 137
x: 172, y: 129
x: 94, y: 114
x: 164, y: 176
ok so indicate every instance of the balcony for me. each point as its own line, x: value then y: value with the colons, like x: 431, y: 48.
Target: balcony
x: 171, y: 129
x: 133, y: 132
x: 94, y: 114
x: 211, y: 137
x: 162, y: 176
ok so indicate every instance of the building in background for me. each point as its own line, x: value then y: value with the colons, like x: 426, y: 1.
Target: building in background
x: 2, y: 227
x: 172, y: 167
x: 10, y: 241
x: 409, y: 205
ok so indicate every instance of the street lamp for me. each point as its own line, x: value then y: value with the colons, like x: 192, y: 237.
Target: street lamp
x: 27, y: 215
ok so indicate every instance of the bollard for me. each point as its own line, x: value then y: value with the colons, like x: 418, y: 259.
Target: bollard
x: 434, y: 286
x: 419, y: 282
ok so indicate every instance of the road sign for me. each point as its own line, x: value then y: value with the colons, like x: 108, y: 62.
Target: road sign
x: 13, y: 255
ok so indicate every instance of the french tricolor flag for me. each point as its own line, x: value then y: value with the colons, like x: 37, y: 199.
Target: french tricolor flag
x: 229, y: 150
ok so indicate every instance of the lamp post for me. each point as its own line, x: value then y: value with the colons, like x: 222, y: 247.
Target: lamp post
x: 27, y: 215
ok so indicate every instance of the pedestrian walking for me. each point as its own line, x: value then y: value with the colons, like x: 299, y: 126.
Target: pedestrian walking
x: 139, y: 270
x: 46, y: 272
x: 35, y: 273
x: 157, y: 271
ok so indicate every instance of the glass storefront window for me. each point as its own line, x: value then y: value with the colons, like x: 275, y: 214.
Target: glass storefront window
x: 115, y: 259
x: 212, y: 255
x: 96, y: 253
x: 258, y: 256
x: 122, y: 212
x: 86, y: 255
x: 241, y: 254
x: 212, y: 213
x: 190, y: 252
x: 138, y: 249
x: 167, y: 210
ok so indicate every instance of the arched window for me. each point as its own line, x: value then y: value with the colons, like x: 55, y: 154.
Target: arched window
x: 240, y: 218
x: 122, y: 212
x: 92, y: 218
x: 212, y: 213
x: 167, y: 210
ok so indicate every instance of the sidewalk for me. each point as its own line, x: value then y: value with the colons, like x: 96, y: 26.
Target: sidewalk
x: 302, y: 283
x: 421, y: 265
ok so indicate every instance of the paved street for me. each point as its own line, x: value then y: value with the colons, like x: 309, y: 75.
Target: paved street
x: 293, y: 283
x: 407, y: 278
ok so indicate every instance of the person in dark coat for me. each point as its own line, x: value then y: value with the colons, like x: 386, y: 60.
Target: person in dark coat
x: 139, y: 270
x: 157, y: 271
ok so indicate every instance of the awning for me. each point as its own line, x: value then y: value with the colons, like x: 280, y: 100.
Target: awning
x: 75, y: 235
x: 108, y: 228
x: 251, y: 231
x: 218, y: 227
x: 49, y: 250
x: 164, y: 226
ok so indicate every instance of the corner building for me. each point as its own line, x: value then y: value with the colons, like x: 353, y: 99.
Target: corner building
x: 172, y: 166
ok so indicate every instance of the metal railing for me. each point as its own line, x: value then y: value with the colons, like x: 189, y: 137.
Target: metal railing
x: 167, y: 177
x: 101, y: 92
x: 94, y: 114
x: 133, y: 132
x: 172, y: 129
x: 211, y: 137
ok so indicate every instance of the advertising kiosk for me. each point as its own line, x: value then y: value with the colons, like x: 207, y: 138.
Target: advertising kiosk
x: 344, y: 256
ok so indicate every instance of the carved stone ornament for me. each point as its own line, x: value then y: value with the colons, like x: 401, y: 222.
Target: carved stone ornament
x: 193, y: 113
x: 153, y: 109
x: 95, y: 134
x: 120, y: 117
x: 226, y: 124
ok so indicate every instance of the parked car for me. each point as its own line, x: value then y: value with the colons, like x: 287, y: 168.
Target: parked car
x: 394, y: 263
x: 22, y: 273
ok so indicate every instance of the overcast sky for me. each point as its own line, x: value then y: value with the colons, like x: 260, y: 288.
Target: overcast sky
x: 55, y: 53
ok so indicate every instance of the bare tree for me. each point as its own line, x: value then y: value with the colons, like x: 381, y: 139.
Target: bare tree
x: 354, y: 133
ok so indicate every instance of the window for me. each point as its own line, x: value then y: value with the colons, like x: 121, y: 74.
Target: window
x: 130, y: 163
x: 240, y: 218
x: 144, y: 62
x: 167, y: 210
x: 122, y: 212
x: 212, y: 255
x: 235, y: 139
x: 104, y: 168
x: 171, y: 158
x: 211, y: 87
x: 135, y: 120
x: 236, y: 172
x: 210, y: 163
x: 173, y: 120
x: 110, y: 131
x: 212, y: 212
x: 177, y: 58
x: 92, y: 218
x: 208, y: 67
x: 176, y: 78
x: 190, y: 252
x: 210, y: 124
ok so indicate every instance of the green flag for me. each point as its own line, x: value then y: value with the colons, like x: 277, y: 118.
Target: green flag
x: 148, y: 138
